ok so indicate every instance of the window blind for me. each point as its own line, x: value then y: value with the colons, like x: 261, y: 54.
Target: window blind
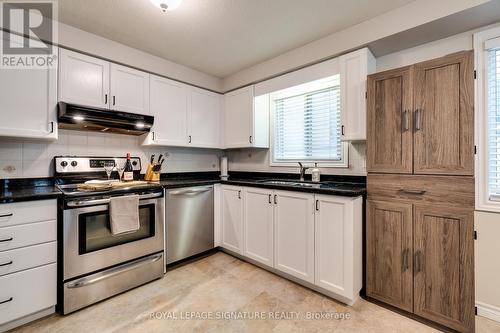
x: 493, y: 97
x: 307, y: 122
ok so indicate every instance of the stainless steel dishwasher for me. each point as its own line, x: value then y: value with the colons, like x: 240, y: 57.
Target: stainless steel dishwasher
x: 189, y: 221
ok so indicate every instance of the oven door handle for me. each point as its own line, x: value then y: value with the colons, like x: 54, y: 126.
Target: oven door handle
x: 114, y: 271
x: 80, y: 203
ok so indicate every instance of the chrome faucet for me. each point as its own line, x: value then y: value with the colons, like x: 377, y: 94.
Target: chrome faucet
x: 302, y: 171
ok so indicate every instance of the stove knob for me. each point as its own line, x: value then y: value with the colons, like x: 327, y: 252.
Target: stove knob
x: 64, y: 164
x: 134, y: 163
x: 74, y: 163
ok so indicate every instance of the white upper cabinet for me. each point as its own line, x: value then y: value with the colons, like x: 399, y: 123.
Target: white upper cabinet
x: 83, y: 80
x: 258, y: 225
x: 204, y: 118
x: 89, y: 81
x: 294, y: 234
x: 354, y: 68
x: 246, y: 119
x: 29, y: 103
x: 129, y: 90
x: 169, y: 106
x: 338, y: 244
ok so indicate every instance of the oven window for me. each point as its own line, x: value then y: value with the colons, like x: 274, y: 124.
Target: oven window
x: 95, y: 231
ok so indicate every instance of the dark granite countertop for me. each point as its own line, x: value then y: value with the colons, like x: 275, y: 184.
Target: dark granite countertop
x: 332, y: 185
x: 27, y: 190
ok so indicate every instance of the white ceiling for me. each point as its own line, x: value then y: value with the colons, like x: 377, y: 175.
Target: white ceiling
x: 219, y: 37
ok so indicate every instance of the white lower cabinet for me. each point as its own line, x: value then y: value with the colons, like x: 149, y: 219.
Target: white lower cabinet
x: 294, y: 234
x: 314, y: 238
x: 232, y: 218
x: 258, y: 225
x: 28, y: 258
x: 338, y: 245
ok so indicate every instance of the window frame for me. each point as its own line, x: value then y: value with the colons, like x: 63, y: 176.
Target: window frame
x: 483, y: 200
x: 273, y: 162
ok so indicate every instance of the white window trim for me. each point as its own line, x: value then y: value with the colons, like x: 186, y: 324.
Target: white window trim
x: 483, y: 201
x: 344, y: 163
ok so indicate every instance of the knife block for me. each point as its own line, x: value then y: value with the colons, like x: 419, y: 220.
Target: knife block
x: 152, y: 176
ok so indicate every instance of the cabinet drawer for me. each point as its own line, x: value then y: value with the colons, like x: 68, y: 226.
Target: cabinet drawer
x: 27, y: 257
x: 27, y: 212
x: 27, y: 292
x: 27, y: 234
x: 452, y: 191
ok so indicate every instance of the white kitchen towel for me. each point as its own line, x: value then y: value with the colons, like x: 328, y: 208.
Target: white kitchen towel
x: 124, y: 214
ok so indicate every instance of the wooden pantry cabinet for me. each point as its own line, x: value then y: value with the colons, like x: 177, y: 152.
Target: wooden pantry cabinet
x: 420, y: 222
x: 421, y: 118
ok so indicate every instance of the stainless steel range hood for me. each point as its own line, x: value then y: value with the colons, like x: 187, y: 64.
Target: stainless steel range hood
x: 71, y: 116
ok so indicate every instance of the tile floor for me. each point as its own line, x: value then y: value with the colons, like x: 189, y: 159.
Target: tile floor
x: 221, y: 286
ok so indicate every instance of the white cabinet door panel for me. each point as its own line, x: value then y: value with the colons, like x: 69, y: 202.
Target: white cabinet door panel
x: 169, y: 106
x: 258, y: 225
x: 204, y: 119
x: 239, y: 117
x: 129, y: 90
x: 83, y: 80
x: 232, y: 218
x: 294, y: 234
x: 28, y: 103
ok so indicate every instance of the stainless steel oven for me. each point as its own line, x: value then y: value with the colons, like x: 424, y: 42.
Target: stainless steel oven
x: 98, y: 264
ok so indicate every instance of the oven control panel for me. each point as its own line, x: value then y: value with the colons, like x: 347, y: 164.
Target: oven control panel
x: 71, y: 164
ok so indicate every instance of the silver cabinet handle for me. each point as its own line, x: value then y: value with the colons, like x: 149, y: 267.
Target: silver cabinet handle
x: 406, y: 253
x: 418, y: 262
x: 7, y: 215
x: 250, y: 139
x: 418, y: 119
x: 6, y: 240
x: 7, y: 300
x: 114, y: 100
x: 317, y: 205
x: 189, y: 139
x: 406, y: 122
x: 114, y: 271
x: 275, y: 199
x: 239, y: 194
x: 51, y: 127
x: 342, y: 130
x: 6, y: 263
x: 106, y: 99
x: 270, y: 198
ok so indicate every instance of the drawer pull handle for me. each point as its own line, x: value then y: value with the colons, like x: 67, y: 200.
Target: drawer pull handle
x: 7, y: 263
x: 7, y: 215
x: 6, y: 240
x: 416, y: 192
x: 7, y: 300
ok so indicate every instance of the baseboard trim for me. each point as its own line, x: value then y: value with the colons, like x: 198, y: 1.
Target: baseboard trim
x: 488, y: 311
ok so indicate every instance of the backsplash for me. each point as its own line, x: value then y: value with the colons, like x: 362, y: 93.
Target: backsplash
x: 258, y: 160
x: 24, y: 158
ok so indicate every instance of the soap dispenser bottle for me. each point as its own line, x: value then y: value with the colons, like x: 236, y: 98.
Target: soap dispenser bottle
x: 316, y: 174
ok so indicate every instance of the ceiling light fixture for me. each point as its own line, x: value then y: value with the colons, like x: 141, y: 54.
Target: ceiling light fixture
x: 166, y: 5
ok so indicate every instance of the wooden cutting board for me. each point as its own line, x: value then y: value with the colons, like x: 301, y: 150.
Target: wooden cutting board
x: 111, y: 185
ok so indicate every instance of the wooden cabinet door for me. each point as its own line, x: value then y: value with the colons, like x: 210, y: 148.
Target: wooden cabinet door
x: 389, y: 136
x: 444, y: 266
x: 258, y: 225
x: 83, y: 80
x: 232, y: 218
x: 239, y: 119
x: 389, y: 269
x: 129, y: 90
x: 169, y: 107
x: 204, y: 118
x: 294, y: 234
x: 444, y: 115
